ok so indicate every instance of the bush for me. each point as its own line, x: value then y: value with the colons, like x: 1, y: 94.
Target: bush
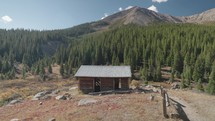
x: 135, y: 83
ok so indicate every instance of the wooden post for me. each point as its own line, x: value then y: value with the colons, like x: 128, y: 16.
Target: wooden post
x: 161, y: 90
x: 164, y: 105
x: 167, y: 99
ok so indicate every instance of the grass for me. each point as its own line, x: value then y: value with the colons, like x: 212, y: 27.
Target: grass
x: 12, y: 89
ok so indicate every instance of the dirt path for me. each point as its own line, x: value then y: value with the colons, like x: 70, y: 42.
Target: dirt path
x: 196, y: 107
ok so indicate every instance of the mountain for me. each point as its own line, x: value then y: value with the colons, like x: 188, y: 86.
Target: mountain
x: 144, y: 17
x: 204, y: 17
x: 140, y: 16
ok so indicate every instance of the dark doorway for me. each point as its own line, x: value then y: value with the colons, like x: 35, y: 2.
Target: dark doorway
x: 116, y: 83
x: 97, y: 85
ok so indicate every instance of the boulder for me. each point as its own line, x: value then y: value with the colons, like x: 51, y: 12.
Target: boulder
x: 15, y: 119
x: 46, y: 97
x: 155, y: 90
x: 52, y: 119
x: 87, y: 101
x: 60, y: 97
x: 175, y: 85
x: 73, y: 88
x: 56, y: 92
x: 39, y: 95
x: 151, y: 98
x: 14, y: 102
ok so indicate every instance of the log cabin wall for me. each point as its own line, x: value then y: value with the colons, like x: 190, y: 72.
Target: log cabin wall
x: 107, y: 84
x: 86, y: 84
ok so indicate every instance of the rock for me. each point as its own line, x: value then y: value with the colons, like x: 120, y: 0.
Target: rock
x: 39, y: 95
x: 56, y: 92
x: 174, y: 115
x: 87, y: 101
x: 41, y: 103
x: 60, y: 97
x: 52, y: 119
x: 15, y: 119
x: 45, y: 97
x: 155, y: 90
x: 149, y: 86
x: 14, y: 102
x: 68, y: 96
x: 151, y: 97
x: 175, y: 85
x: 73, y: 88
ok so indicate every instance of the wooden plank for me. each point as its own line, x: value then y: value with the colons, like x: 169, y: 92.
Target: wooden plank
x: 111, y: 92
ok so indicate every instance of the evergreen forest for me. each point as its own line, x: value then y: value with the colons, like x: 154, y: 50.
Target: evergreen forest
x: 189, y: 49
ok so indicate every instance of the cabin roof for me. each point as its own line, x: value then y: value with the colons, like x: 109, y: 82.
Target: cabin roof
x: 103, y: 71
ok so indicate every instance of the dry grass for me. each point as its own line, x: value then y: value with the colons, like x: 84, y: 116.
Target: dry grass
x: 126, y: 107
x: 26, y: 88
x: 135, y: 83
x: 197, y: 106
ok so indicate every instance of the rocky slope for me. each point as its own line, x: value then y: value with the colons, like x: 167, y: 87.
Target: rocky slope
x: 144, y: 17
x: 204, y: 17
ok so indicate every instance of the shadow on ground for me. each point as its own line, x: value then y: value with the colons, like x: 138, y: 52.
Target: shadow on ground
x: 179, y: 108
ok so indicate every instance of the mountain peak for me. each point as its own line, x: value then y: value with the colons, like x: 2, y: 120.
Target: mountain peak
x: 144, y: 17
x: 140, y: 16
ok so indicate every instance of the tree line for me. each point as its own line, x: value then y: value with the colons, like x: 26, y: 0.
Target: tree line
x: 188, y: 48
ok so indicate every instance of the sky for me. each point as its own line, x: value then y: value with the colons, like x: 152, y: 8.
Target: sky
x: 60, y: 14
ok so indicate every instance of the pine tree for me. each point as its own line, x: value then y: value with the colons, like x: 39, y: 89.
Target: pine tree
x: 211, y: 84
x: 66, y: 69
x: 198, y: 73
x: 62, y: 70
x: 187, y: 75
x: 178, y: 63
x: 172, y: 76
x: 182, y: 83
x: 12, y: 73
x: 70, y: 69
x: 50, y: 68
x: 158, y: 73
x: 37, y: 70
x: 199, y: 85
x: 42, y: 72
x: 24, y: 72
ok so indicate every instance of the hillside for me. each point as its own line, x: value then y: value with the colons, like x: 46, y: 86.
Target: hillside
x: 144, y: 39
x: 175, y: 54
x: 201, y: 18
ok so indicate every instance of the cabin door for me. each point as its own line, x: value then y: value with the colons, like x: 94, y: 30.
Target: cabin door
x: 117, y: 83
x: 97, y: 85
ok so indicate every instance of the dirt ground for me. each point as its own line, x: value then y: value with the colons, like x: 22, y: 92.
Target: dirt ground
x: 196, y: 106
x: 119, y: 107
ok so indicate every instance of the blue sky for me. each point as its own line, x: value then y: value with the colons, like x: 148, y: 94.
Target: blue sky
x: 59, y: 14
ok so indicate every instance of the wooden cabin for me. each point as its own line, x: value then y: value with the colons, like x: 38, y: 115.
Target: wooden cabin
x: 103, y: 78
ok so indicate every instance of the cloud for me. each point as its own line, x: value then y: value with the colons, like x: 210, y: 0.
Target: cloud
x: 153, y: 8
x: 6, y: 19
x: 120, y: 9
x: 159, y: 1
x: 105, y: 15
x: 129, y: 7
